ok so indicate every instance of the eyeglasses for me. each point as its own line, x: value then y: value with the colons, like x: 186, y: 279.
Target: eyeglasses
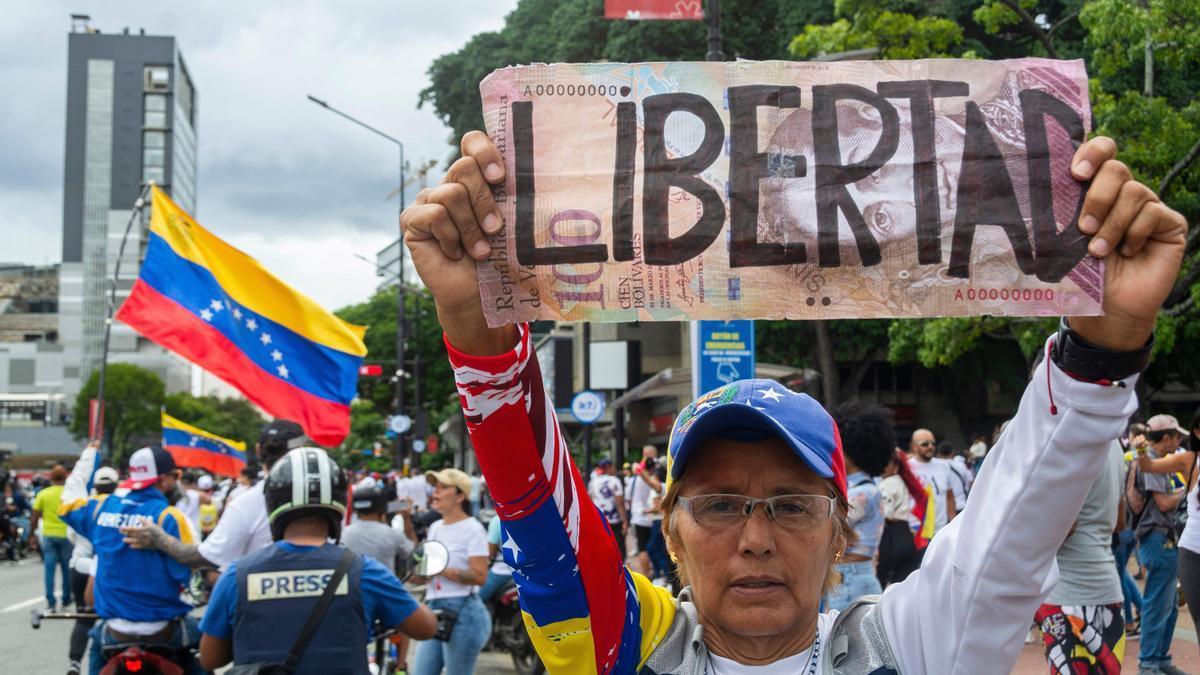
x: 925, y: 444
x: 794, y: 512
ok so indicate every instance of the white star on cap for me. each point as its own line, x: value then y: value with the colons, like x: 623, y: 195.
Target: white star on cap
x: 770, y: 394
x: 283, y: 371
x: 206, y: 314
x: 216, y: 305
x: 511, y: 544
x: 194, y: 441
x: 277, y: 355
x: 265, y: 338
x: 251, y: 324
x: 237, y: 313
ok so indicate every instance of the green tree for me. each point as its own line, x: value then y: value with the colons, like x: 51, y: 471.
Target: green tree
x: 896, y: 35
x: 133, y: 398
x: 427, y: 366
x: 576, y: 31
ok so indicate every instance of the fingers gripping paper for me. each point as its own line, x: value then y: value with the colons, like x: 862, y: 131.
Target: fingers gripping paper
x: 671, y: 191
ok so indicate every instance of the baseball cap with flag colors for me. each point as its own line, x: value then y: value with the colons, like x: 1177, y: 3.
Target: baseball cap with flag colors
x: 754, y: 410
x: 146, y: 465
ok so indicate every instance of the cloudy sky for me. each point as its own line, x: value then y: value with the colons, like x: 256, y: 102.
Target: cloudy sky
x: 293, y: 185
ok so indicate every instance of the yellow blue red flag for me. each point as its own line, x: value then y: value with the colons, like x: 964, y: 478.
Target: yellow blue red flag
x: 217, y: 307
x: 194, y: 447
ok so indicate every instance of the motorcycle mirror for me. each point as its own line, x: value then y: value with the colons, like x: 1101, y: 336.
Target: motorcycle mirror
x: 429, y: 559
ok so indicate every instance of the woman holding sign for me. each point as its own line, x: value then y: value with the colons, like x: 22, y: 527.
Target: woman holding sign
x: 755, y: 576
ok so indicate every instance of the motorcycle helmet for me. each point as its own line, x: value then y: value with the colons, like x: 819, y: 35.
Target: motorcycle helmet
x: 305, y: 482
x: 370, y: 497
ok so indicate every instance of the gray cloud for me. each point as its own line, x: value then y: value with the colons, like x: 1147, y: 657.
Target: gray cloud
x: 288, y: 182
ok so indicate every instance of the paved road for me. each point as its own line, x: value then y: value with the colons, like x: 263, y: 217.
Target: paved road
x: 26, y: 650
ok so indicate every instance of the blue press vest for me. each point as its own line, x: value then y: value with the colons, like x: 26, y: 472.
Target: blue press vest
x: 273, y: 607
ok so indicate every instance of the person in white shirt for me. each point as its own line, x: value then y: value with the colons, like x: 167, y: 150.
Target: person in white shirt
x: 961, y: 478
x: 190, y: 499
x: 243, y: 526
x: 639, y: 496
x: 935, y: 475
x: 608, y: 494
x: 898, y: 555
x: 456, y: 589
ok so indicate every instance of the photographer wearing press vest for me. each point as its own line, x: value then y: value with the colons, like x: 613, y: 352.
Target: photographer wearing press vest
x: 755, y: 577
x: 274, y: 606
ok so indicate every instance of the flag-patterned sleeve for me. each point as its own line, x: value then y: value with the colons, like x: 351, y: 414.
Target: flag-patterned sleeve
x: 585, y: 611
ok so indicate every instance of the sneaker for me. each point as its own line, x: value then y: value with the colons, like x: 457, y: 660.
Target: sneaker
x: 75, y: 668
x: 1149, y: 670
x: 1169, y: 669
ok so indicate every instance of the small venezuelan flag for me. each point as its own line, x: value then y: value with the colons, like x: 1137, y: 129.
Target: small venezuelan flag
x: 194, y: 447
x: 217, y: 307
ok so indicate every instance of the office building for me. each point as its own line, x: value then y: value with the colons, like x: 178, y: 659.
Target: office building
x: 131, y: 118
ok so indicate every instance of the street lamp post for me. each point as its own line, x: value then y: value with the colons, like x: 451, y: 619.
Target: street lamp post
x: 400, y: 321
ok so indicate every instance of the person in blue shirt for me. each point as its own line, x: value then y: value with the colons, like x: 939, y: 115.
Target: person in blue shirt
x: 868, y: 441
x: 137, y: 592
x: 278, y: 586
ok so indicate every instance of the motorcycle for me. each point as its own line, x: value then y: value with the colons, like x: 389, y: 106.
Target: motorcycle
x: 428, y: 559
x: 509, y: 633
x: 134, y: 657
x: 140, y: 656
x: 15, y: 544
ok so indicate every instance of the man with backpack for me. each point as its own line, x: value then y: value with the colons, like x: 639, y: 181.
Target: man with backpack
x: 1153, y: 502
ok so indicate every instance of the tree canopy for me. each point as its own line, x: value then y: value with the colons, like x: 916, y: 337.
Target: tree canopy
x: 1142, y: 57
x: 135, y: 398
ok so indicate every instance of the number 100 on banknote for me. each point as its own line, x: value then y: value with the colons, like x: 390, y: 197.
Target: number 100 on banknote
x: 675, y: 191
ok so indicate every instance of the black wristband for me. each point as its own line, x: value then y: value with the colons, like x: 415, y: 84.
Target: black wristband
x: 1084, y: 360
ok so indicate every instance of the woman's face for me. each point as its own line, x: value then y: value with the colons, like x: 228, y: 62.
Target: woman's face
x: 753, y: 579
x: 445, y: 499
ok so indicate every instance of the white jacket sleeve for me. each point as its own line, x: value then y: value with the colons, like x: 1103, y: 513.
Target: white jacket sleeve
x: 78, y: 485
x: 985, y: 574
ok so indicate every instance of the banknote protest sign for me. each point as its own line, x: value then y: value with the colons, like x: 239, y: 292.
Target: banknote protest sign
x: 674, y: 191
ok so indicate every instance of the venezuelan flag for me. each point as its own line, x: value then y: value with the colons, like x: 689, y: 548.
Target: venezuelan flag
x: 217, y: 307
x: 194, y: 447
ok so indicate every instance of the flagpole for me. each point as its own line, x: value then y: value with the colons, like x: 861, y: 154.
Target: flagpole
x: 138, y: 205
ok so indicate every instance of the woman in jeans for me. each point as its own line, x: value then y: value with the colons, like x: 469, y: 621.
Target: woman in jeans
x: 868, y: 442
x: 1124, y: 544
x: 1184, y: 462
x: 456, y: 589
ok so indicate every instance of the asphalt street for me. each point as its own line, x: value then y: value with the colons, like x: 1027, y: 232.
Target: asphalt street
x: 22, y: 649
x: 25, y: 650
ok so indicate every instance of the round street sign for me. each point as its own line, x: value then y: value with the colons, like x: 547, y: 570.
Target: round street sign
x: 399, y: 423
x: 587, y: 406
x: 418, y: 445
